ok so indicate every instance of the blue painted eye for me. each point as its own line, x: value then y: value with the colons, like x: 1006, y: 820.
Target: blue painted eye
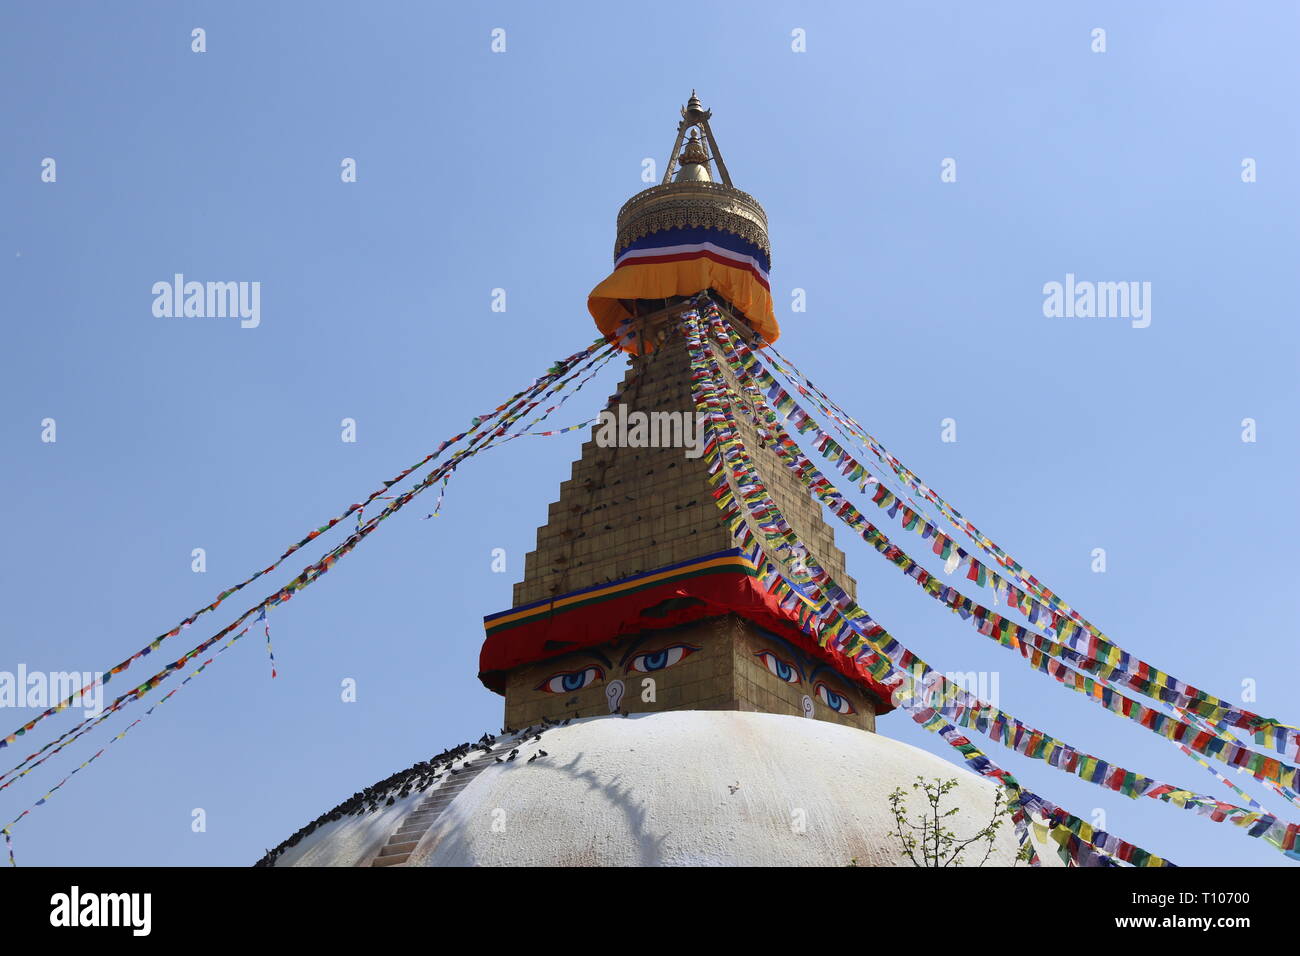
x: 782, y: 669
x: 660, y: 660
x: 833, y: 700
x: 566, y: 682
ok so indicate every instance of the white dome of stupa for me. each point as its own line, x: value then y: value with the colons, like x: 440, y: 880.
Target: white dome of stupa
x: 714, y: 788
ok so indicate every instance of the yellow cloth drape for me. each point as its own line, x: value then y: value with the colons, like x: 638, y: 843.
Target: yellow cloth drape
x: 661, y: 280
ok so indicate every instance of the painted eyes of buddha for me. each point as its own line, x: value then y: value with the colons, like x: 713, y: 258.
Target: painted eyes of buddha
x: 566, y: 682
x: 660, y: 660
x: 781, y: 669
x: 790, y: 673
x: 833, y: 700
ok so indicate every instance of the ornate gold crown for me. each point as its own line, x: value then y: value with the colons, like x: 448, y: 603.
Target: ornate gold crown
x: 693, y: 199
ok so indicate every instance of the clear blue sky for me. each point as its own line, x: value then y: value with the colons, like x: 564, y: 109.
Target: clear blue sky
x: 481, y: 170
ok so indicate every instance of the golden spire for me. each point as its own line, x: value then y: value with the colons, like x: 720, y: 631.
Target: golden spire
x: 694, y: 160
x: 693, y: 105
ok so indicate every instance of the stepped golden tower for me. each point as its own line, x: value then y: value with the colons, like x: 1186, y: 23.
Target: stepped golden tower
x: 626, y: 603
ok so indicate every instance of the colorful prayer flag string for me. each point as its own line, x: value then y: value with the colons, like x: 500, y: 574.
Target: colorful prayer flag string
x: 516, y: 401
x: 884, y: 656
x: 198, y: 670
x: 484, y: 438
x: 480, y: 437
x: 266, y: 627
x: 1013, y: 636
x: 722, y: 435
x: 1283, y: 738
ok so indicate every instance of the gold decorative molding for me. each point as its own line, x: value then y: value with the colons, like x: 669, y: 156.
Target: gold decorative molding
x: 693, y: 204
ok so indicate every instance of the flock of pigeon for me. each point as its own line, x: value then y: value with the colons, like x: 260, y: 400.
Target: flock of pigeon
x: 419, y: 778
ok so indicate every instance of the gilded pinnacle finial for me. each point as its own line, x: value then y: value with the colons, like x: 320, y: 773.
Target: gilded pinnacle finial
x: 694, y: 110
x: 693, y: 162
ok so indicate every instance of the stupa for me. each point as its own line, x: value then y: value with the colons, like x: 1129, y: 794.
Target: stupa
x: 661, y: 705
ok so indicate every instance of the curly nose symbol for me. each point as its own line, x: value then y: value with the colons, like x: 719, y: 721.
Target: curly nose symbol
x: 615, y: 694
